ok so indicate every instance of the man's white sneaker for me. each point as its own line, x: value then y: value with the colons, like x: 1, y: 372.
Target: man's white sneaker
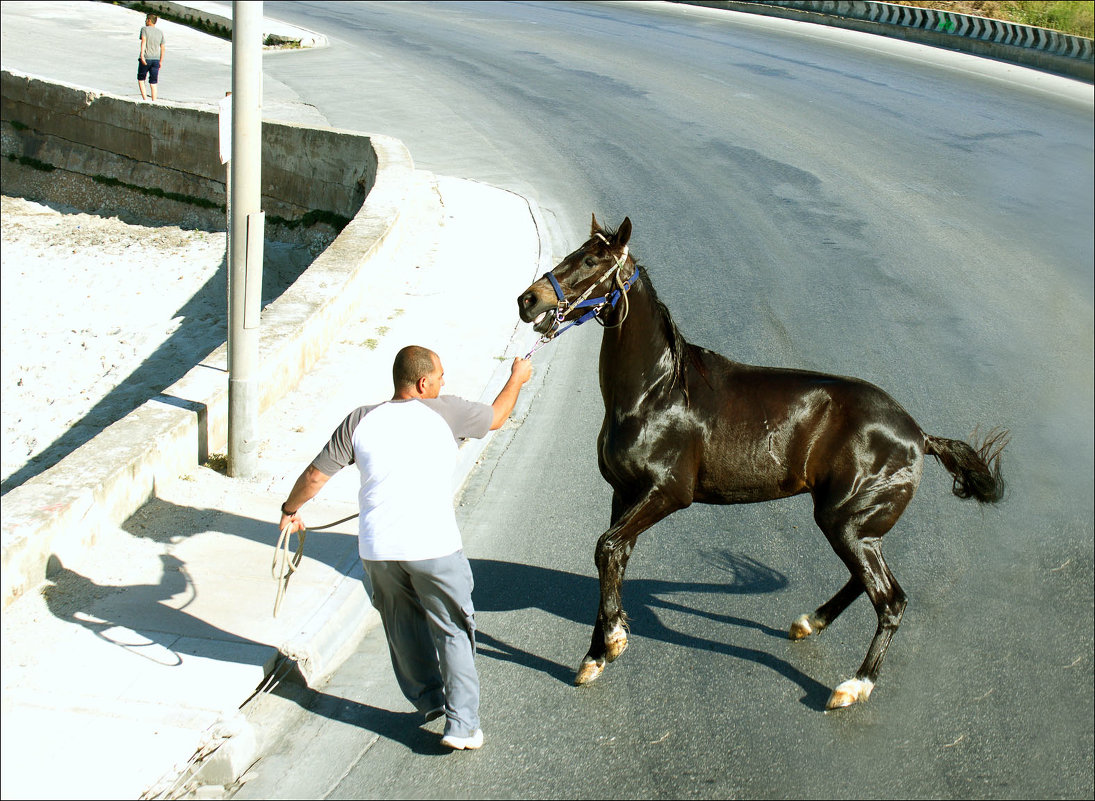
x: 475, y: 740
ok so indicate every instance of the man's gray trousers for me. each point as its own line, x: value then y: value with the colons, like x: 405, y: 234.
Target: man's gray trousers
x: 429, y: 621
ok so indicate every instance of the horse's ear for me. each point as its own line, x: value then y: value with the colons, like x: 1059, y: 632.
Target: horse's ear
x: 594, y: 228
x: 623, y: 234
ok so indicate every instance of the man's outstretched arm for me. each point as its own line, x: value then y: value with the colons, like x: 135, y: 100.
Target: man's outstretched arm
x: 519, y: 373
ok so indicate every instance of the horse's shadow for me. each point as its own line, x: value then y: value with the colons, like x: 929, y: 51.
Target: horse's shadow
x: 511, y: 587
x: 508, y: 586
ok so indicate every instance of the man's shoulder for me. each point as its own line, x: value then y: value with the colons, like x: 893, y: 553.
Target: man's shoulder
x: 451, y: 401
x: 466, y: 418
x: 455, y: 405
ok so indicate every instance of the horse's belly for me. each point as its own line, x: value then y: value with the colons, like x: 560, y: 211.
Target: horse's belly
x: 686, y: 461
x: 746, y: 483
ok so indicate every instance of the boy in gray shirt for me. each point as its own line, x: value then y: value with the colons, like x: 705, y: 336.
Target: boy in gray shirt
x: 151, y: 57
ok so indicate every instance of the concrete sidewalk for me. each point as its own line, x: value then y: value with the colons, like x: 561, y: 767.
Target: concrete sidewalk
x: 148, y: 645
x: 124, y: 673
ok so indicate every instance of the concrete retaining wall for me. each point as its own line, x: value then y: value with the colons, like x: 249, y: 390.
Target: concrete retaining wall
x: 106, y: 480
x: 1027, y: 45
x: 174, y: 149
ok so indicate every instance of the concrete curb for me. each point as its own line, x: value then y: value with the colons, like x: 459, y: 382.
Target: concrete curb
x: 1026, y: 45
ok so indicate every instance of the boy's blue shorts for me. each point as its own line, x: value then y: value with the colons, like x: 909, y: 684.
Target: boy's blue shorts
x: 151, y: 69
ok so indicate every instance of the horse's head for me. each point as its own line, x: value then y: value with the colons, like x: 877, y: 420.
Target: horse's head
x: 594, y: 276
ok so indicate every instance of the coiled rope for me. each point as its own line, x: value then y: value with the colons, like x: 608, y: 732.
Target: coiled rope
x: 284, y: 565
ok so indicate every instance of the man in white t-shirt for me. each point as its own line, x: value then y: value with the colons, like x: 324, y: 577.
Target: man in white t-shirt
x: 406, y: 450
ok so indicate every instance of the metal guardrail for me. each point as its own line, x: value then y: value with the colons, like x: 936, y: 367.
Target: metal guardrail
x: 1027, y: 45
x: 965, y: 25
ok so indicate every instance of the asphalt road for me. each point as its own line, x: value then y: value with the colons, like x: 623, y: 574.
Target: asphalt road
x: 801, y: 197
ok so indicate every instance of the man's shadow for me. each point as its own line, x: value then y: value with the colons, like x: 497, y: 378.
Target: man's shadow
x: 506, y: 586
x: 137, y: 618
x: 155, y: 614
x: 146, y: 620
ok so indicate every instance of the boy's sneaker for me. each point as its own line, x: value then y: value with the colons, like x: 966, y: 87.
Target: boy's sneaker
x: 475, y: 740
x: 435, y: 713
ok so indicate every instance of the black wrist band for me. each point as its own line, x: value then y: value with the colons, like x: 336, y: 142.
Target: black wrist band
x: 286, y: 512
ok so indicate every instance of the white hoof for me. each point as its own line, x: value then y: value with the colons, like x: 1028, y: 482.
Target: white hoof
x: 804, y: 626
x: 589, y: 670
x: 615, y: 643
x: 801, y: 628
x: 850, y: 692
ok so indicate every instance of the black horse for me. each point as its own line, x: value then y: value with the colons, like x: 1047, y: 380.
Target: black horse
x: 684, y: 424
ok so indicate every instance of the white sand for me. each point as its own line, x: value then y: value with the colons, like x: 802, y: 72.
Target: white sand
x: 100, y: 315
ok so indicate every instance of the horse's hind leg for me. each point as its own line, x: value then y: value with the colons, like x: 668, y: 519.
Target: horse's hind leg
x: 825, y: 614
x: 854, y: 526
x: 863, y: 556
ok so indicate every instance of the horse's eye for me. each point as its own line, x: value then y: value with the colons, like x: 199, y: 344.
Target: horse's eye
x: 590, y: 261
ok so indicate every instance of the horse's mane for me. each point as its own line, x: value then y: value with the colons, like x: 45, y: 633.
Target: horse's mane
x: 678, y: 345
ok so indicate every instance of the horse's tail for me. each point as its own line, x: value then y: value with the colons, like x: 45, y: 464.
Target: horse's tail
x: 976, y: 471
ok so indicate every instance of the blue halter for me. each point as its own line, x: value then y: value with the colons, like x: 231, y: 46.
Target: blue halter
x: 594, y: 305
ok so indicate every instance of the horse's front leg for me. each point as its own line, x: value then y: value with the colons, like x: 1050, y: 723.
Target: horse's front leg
x: 613, y: 550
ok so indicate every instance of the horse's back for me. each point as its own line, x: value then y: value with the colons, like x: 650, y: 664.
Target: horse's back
x: 771, y: 432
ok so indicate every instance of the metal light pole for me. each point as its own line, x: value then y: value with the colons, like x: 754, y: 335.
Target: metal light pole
x: 245, y: 238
